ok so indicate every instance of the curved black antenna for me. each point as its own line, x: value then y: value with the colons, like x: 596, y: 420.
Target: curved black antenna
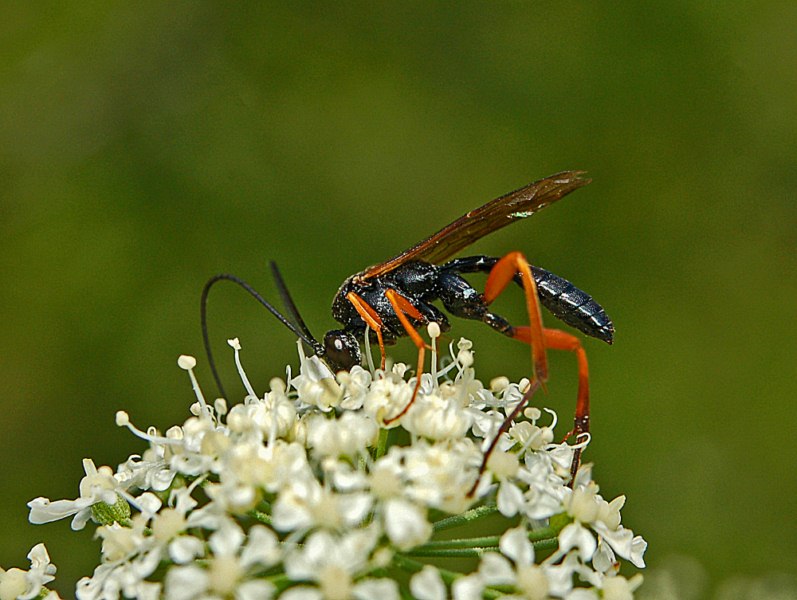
x: 288, y: 302
x: 301, y: 333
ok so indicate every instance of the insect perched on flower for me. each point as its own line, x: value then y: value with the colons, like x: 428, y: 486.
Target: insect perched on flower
x: 395, y: 297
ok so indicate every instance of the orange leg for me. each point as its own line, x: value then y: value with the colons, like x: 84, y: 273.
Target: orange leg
x: 560, y: 340
x: 502, y: 273
x: 404, y: 307
x: 371, y: 318
x: 556, y: 339
x: 540, y: 339
x: 507, y: 423
x: 500, y: 276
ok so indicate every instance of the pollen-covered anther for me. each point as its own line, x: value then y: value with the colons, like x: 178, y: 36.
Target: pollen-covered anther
x: 465, y: 358
x: 499, y: 384
x: 186, y: 362
x: 503, y: 464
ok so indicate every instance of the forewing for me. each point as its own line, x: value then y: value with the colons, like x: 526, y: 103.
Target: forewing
x: 479, y: 222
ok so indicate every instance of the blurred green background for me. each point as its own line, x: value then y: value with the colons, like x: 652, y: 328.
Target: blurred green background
x: 145, y: 147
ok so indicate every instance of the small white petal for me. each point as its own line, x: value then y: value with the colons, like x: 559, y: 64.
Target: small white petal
x: 13, y: 583
x: 302, y: 592
x: 604, y: 558
x: 148, y: 503
x: 262, y: 547
x: 185, y: 583
x: 516, y: 545
x: 186, y: 548
x: 624, y: 543
x: 406, y: 524
x: 510, y: 499
x: 560, y: 577
x: 44, y: 511
x: 227, y: 539
x: 427, y: 584
x: 469, y: 587
x: 575, y: 535
x: 496, y: 570
x: 255, y: 589
x: 369, y: 589
x: 638, y: 547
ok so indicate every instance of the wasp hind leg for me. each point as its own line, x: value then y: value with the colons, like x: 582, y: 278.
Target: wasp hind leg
x: 540, y: 340
x: 502, y: 273
x: 561, y: 340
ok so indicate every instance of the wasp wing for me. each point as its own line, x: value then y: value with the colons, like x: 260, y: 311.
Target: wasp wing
x: 479, y: 222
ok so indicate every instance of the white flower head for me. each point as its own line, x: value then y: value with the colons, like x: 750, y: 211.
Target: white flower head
x: 306, y: 493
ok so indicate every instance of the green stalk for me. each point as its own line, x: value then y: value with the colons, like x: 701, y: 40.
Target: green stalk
x: 381, y: 444
x: 467, y: 517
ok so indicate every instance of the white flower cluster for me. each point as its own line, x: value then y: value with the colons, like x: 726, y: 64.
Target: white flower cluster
x: 305, y: 493
x: 17, y: 583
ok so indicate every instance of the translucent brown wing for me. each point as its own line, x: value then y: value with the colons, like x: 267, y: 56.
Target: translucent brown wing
x: 479, y: 222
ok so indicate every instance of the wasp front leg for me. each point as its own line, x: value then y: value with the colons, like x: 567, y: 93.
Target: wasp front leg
x: 372, y: 319
x: 404, y: 308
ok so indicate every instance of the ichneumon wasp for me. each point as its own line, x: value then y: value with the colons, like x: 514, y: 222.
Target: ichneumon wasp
x: 396, y: 296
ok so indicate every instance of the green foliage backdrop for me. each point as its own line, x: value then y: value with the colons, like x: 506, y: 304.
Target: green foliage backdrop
x: 144, y: 147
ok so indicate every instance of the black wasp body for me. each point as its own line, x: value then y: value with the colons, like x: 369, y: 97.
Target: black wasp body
x: 423, y: 283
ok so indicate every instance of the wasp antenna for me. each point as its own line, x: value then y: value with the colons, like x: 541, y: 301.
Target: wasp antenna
x: 301, y: 333
x: 290, y: 305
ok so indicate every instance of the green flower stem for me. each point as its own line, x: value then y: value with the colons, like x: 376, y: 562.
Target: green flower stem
x: 543, y: 539
x: 473, y: 552
x: 467, y: 517
x: 381, y: 444
x: 281, y: 581
x: 402, y: 561
x: 546, y: 544
x: 260, y: 516
x: 491, y: 540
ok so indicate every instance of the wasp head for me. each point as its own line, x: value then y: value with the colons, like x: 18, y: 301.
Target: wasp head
x: 341, y: 350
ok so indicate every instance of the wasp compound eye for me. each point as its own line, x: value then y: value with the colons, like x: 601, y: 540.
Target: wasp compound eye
x: 342, y: 351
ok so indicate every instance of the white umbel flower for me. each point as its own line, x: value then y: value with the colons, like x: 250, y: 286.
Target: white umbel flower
x: 304, y: 492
